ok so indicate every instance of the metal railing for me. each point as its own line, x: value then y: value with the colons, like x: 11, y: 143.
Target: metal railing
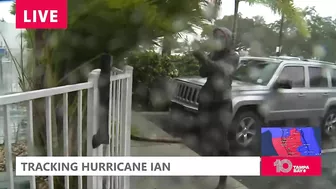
x: 119, y: 124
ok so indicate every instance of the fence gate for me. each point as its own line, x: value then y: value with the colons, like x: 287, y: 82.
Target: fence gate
x: 119, y: 126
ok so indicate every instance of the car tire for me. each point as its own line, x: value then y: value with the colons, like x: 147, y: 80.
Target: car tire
x: 247, y: 136
x: 328, y: 126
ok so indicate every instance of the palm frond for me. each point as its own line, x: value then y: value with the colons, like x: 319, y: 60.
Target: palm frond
x: 286, y: 7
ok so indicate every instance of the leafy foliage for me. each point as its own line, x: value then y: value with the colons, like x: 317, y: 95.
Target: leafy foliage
x: 260, y: 38
x: 149, y: 65
x: 321, y: 44
x: 291, y: 13
x: 252, y: 33
x: 152, y: 74
x: 111, y: 26
x: 94, y: 27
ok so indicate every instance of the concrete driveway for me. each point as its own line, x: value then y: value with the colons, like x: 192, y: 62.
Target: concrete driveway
x: 146, y: 127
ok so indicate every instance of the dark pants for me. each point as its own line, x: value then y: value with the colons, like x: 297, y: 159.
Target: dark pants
x: 214, y: 120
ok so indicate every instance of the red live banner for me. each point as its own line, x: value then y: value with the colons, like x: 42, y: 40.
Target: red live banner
x: 291, y: 166
x: 41, y: 14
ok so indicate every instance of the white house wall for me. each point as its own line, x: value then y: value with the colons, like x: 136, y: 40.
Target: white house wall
x: 10, y: 74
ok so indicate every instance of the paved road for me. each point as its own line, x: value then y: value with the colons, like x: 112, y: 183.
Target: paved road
x: 327, y: 181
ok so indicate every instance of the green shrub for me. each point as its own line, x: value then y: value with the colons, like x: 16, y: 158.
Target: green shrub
x: 152, y: 74
x: 148, y: 66
x: 186, y: 65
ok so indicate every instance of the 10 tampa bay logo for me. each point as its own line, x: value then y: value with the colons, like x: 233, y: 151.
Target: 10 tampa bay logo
x: 286, y: 166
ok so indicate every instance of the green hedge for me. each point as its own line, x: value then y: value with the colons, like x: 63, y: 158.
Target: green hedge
x: 152, y: 76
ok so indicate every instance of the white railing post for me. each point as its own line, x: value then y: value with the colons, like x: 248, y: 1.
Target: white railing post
x: 8, y: 146
x: 93, y: 111
x: 128, y: 120
x: 92, y: 119
x: 128, y: 110
x: 30, y: 138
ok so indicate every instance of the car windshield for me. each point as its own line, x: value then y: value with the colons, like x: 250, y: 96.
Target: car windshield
x: 254, y: 71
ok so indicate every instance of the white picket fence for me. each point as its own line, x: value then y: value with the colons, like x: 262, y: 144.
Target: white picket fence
x: 119, y: 125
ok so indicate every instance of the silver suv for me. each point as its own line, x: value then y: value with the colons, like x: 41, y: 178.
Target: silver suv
x: 266, y: 91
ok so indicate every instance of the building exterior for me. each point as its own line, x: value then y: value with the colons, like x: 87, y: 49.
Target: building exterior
x: 8, y: 72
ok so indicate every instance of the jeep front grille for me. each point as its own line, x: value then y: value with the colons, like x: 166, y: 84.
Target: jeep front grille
x: 187, y: 92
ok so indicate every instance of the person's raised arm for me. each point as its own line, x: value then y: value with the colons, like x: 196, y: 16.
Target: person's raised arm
x: 226, y: 66
x: 204, y: 70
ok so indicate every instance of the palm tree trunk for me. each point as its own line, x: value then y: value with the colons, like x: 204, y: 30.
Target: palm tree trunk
x: 166, y: 46
x: 21, y: 61
x: 39, y: 43
x: 280, y: 35
x: 235, y: 23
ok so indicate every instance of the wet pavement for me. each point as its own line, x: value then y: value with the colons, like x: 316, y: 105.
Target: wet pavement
x: 327, y: 181
x: 162, y: 119
x: 168, y: 182
x: 151, y: 130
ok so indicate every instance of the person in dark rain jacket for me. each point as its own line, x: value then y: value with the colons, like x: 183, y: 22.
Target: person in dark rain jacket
x: 215, y: 105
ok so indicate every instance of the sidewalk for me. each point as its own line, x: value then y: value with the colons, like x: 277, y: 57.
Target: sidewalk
x: 329, y: 145
x: 150, y: 130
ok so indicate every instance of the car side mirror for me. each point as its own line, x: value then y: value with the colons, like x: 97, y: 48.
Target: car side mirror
x: 284, y: 84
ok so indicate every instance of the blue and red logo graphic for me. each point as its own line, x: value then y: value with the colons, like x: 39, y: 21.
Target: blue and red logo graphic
x: 292, y: 151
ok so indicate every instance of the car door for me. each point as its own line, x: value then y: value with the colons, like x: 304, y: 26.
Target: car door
x: 333, y: 83
x: 288, y: 103
x: 318, y: 91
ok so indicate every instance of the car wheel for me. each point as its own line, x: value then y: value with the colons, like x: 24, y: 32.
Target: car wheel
x: 245, y: 129
x: 328, y: 126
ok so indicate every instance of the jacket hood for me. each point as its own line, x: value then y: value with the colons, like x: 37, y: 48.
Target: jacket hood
x: 228, y: 35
